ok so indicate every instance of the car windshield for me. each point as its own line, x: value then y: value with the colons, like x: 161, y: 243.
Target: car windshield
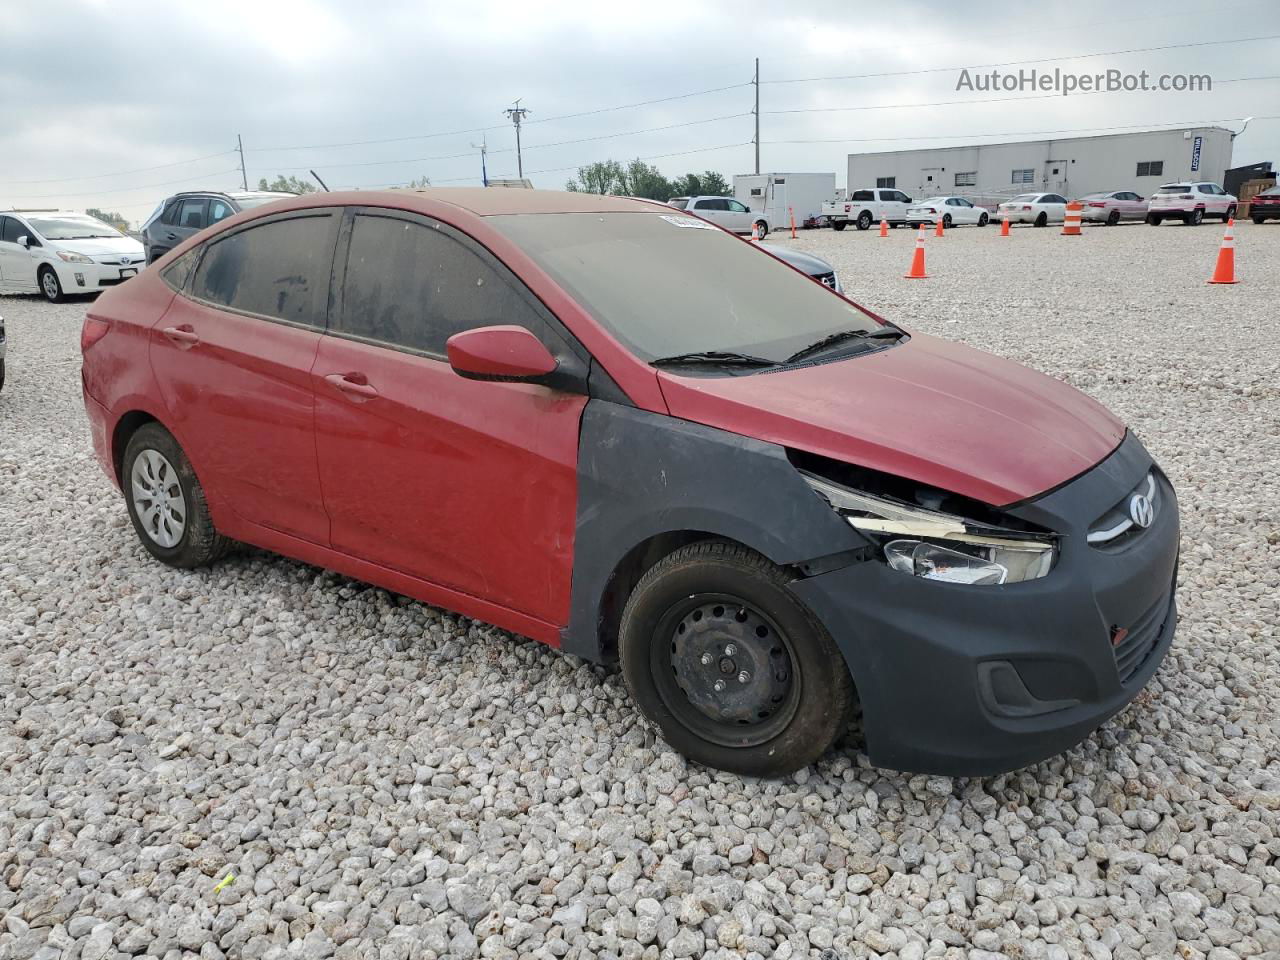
x: 667, y: 285
x: 1174, y: 188
x: 248, y: 203
x: 71, y: 228
x: 1026, y: 198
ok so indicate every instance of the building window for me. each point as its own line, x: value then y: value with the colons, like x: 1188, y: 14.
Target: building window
x: 969, y: 179
x: 756, y: 191
x: 1025, y: 176
x: 886, y: 183
x: 1151, y: 168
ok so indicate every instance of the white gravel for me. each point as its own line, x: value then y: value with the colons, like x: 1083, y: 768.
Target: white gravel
x: 385, y: 780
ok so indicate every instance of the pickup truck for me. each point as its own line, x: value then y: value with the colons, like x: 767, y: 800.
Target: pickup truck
x: 867, y: 206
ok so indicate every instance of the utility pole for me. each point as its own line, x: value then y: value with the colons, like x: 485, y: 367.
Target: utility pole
x: 244, y: 179
x: 483, y: 147
x: 756, y: 82
x: 517, y: 114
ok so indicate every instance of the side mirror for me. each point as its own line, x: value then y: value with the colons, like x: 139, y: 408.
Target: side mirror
x: 23, y: 241
x: 508, y: 353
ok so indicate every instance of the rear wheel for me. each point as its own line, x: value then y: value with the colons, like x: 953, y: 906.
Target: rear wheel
x: 51, y: 286
x: 729, y: 665
x: 1113, y: 218
x: 1042, y: 219
x: 1194, y: 218
x: 864, y: 220
x: 166, y: 501
x: 839, y: 224
x: 1259, y: 220
x: 946, y: 221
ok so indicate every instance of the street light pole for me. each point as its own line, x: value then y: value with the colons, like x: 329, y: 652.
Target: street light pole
x: 517, y: 114
x: 756, y: 82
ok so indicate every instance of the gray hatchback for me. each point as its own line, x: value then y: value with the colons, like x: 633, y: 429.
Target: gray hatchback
x: 188, y: 213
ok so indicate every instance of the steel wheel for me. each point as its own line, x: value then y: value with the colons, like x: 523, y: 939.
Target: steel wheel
x: 158, y: 498
x: 726, y: 670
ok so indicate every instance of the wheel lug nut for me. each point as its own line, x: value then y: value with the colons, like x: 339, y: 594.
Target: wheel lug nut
x: 706, y: 659
x: 718, y: 686
x: 730, y: 649
x: 744, y: 677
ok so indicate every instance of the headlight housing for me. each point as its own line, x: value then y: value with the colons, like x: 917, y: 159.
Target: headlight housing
x: 70, y: 257
x: 941, y: 546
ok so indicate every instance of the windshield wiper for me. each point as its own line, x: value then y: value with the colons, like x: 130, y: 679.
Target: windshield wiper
x: 841, y: 336
x: 719, y: 357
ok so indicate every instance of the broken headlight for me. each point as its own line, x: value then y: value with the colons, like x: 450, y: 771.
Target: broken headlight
x: 940, y: 546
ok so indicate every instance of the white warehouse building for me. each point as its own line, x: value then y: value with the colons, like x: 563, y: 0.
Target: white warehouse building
x: 990, y: 172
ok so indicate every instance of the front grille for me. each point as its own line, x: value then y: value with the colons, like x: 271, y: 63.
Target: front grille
x: 1118, y: 526
x: 1132, y: 652
x: 827, y: 279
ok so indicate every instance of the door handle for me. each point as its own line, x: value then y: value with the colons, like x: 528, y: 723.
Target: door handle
x: 171, y: 236
x: 347, y: 383
x: 183, y: 336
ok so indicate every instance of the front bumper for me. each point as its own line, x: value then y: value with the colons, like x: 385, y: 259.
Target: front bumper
x: 93, y: 277
x: 974, y: 681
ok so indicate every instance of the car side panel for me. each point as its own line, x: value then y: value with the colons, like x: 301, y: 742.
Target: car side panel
x: 642, y: 474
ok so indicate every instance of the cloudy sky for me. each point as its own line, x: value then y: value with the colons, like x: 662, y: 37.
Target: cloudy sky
x: 119, y: 105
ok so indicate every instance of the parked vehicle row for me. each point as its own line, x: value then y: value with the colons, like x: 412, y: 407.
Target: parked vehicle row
x: 322, y: 377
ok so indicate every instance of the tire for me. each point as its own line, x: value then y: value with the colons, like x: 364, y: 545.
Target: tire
x: 1259, y: 221
x: 197, y: 543
x: 51, y: 286
x: 983, y: 219
x: 797, y: 697
x: 1230, y: 214
x: 1154, y: 219
x: 1113, y: 218
x: 1042, y: 220
x: 1194, y: 218
x: 946, y: 221
x: 764, y: 228
x: 864, y: 220
x: 839, y: 224
x: 1, y: 374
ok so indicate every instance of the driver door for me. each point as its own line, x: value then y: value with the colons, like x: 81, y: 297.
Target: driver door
x: 17, y: 265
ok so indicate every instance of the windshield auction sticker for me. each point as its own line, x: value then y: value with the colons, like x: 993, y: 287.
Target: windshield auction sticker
x: 690, y: 222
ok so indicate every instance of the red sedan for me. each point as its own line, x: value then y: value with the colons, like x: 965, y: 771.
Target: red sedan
x: 768, y: 503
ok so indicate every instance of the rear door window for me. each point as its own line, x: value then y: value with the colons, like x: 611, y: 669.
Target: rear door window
x: 413, y: 285
x: 862, y: 196
x: 193, y: 212
x: 279, y: 269
x: 219, y: 210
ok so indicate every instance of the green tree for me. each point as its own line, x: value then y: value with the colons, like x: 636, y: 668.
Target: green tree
x: 420, y: 183
x: 115, y: 219
x: 643, y: 180
x: 640, y: 179
x: 714, y: 184
x: 605, y: 176
x: 283, y: 184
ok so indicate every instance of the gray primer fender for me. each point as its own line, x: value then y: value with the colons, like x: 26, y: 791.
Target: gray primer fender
x: 641, y: 474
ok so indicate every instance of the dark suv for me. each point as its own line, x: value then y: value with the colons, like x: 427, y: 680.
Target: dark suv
x: 185, y: 214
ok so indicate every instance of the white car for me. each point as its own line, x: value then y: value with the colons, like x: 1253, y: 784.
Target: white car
x: 59, y: 253
x: 867, y: 206
x: 1190, y: 203
x: 733, y: 215
x: 1035, y: 208
x: 1111, y: 208
x: 952, y: 210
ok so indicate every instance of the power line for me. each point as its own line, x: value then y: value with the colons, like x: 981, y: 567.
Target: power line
x: 1016, y: 63
x: 123, y: 173
x: 642, y: 103
x: 141, y: 186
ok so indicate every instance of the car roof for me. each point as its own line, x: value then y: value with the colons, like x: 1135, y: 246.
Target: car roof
x: 480, y: 201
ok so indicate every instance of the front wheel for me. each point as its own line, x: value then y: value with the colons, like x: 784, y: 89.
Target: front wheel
x: 1113, y: 218
x: 1154, y: 219
x: 983, y: 220
x: 1259, y: 220
x: 1230, y: 214
x: 166, y: 501
x: 763, y: 228
x: 51, y: 286
x: 733, y: 670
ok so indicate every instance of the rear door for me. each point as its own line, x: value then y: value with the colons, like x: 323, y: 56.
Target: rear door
x: 233, y: 360
x: 715, y: 209
x: 470, y: 485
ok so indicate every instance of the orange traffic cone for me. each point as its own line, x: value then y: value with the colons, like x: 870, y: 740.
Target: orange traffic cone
x: 884, y: 228
x: 917, y: 259
x: 755, y: 232
x: 792, y: 214
x: 938, y: 231
x: 1071, y: 219
x: 1004, y: 227
x: 1225, y: 271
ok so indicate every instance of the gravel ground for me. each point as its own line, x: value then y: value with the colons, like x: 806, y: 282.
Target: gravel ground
x: 387, y: 780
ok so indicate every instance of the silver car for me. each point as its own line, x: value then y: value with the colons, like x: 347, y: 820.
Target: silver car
x: 1111, y: 208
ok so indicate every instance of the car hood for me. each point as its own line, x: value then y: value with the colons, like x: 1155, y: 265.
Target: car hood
x: 99, y: 245
x: 933, y: 411
x: 807, y: 262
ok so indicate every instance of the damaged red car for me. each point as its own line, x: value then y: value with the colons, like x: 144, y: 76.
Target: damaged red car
x: 775, y: 508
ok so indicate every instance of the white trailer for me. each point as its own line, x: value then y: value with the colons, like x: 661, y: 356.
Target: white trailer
x: 780, y: 195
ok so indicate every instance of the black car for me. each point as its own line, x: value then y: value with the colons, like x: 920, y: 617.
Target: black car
x: 815, y: 267
x: 187, y: 213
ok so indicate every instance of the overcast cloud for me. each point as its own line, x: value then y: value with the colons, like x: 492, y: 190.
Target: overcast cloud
x: 93, y: 88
